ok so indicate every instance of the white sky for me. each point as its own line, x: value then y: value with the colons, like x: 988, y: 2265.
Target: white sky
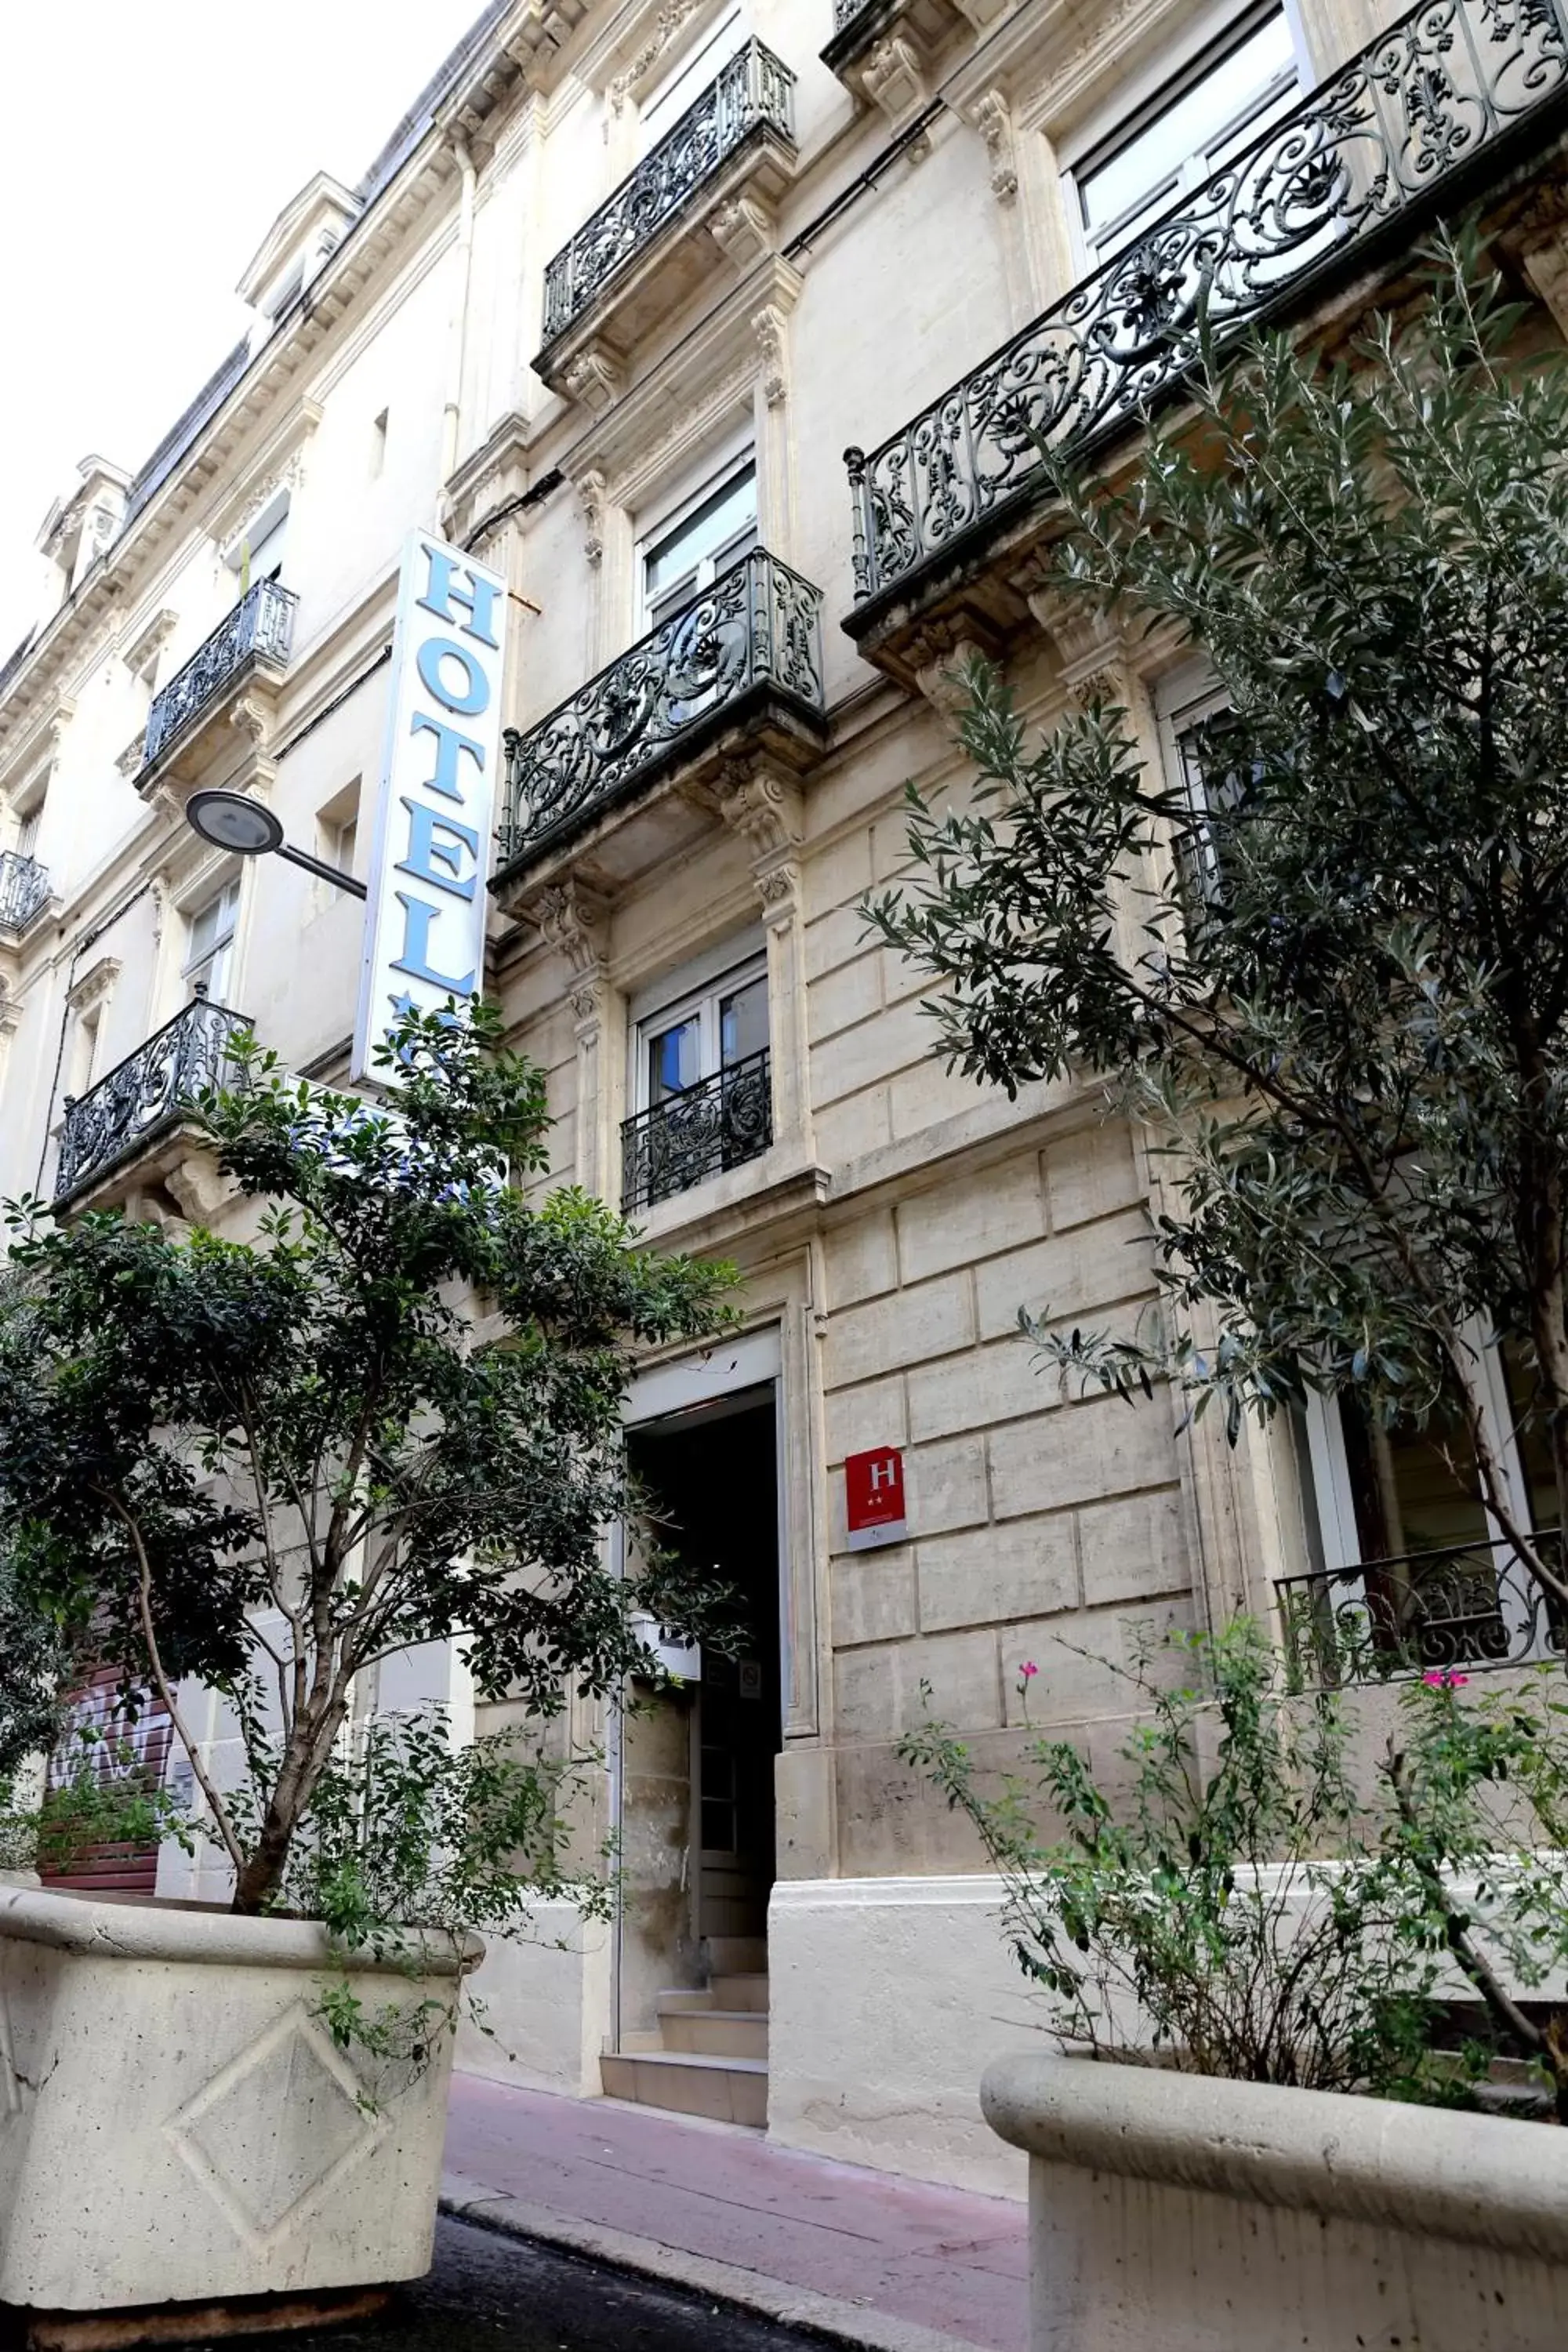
x: 147, y: 147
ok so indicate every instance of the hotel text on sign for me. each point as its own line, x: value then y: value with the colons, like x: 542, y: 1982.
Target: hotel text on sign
x: 874, y: 1497
x: 425, y: 920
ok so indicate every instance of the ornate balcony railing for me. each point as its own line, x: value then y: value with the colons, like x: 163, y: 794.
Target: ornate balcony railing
x: 262, y: 623
x: 720, y: 1123
x: 845, y: 11
x: 145, y: 1093
x: 752, y: 89
x: 1469, y: 1607
x: 24, y: 888
x: 1414, y: 109
x: 758, y: 626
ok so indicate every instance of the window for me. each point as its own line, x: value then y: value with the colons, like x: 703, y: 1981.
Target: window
x: 258, y: 552
x: 686, y: 552
x: 84, y: 1050
x: 1184, y: 136
x: 710, y: 1034
x: 702, y: 1078
x: 210, y: 955
x: 1409, y: 1566
x: 683, y: 87
x: 337, y: 831
x: 1214, y: 794
x: 29, y: 820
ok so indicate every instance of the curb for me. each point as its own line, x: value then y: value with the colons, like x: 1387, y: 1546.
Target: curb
x: 838, y: 2322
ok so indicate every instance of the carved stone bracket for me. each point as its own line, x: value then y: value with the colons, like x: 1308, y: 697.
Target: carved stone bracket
x: 762, y: 806
x: 993, y: 121
x: 595, y: 378
x: 129, y: 760
x: 96, y: 985
x: 572, y: 919
x: 744, y: 230
x: 893, y: 78
x: 592, y: 491
x: 940, y: 653
x: 1094, y: 650
x: 770, y: 327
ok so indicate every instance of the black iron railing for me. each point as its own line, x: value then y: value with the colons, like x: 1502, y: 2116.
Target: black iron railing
x: 24, y: 889
x: 759, y: 626
x: 1418, y: 105
x: 145, y: 1093
x: 1468, y: 1607
x: 722, y: 1123
x: 262, y: 623
x: 752, y: 89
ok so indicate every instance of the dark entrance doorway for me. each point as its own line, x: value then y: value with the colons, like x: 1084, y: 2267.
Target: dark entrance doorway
x: 712, y: 1476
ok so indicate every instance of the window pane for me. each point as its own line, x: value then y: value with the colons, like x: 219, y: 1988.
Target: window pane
x: 672, y: 562
x: 744, y: 1021
x: 1124, y: 192
x: 675, y: 1059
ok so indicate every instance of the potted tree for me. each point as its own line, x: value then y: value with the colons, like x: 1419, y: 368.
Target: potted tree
x: 387, y: 1414
x: 1324, y: 968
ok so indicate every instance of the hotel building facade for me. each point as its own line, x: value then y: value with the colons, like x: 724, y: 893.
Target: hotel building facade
x: 623, y: 289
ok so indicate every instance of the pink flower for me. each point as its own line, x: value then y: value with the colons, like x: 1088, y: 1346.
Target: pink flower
x: 1444, y: 1678
x: 1028, y: 1668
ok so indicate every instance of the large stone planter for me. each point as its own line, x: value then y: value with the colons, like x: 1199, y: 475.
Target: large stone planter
x: 175, y: 2125
x: 1173, y: 2213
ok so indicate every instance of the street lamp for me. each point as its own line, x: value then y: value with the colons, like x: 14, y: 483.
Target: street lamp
x: 232, y: 821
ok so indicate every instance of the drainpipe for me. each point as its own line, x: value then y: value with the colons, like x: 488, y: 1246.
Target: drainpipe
x: 452, y: 412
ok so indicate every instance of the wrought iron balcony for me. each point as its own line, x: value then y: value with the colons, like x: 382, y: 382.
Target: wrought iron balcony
x: 146, y: 1094
x: 260, y: 627
x: 755, y: 633
x: 1470, y: 1606
x: 1411, y: 113
x: 752, y: 90
x: 24, y: 889
x: 720, y: 1123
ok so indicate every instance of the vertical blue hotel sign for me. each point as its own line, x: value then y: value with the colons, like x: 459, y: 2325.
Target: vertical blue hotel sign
x: 425, y: 917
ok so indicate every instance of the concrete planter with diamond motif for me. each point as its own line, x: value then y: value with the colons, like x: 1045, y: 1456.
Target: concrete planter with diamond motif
x: 175, y: 2124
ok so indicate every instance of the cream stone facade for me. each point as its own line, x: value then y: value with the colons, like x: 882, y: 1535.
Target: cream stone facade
x: 628, y: 281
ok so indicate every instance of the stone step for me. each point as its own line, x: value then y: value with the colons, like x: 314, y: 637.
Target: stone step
x: 715, y: 2033
x: 740, y: 1992
x: 676, y: 1998
x: 724, y: 2090
x: 736, y: 1956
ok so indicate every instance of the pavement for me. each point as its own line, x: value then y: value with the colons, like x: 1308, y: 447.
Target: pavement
x: 493, y: 2294
x: 861, y: 2257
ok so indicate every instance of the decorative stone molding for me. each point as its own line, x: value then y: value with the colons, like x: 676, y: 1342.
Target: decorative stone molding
x: 129, y: 760
x: 592, y: 491
x: 982, y: 14
x: 939, y: 653
x: 10, y: 1015
x: 96, y: 985
x: 744, y: 230
x: 1093, y: 650
x: 595, y: 377
x: 770, y: 327
x: 671, y: 17
x: 571, y: 920
x: 761, y: 805
x: 894, y: 78
x: 142, y: 657
x: 993, y: 121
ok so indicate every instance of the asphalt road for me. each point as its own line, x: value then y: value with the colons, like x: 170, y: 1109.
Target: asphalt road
x: 492, y: 2294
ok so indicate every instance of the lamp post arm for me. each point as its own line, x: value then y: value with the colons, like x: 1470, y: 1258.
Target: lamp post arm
x: 323, y: 873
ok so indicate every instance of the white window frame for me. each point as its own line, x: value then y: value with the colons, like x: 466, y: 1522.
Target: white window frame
x: 697, y: 988
x: 198, y: 967
x: 1335, y: 1501
x: 669, y: 517
x: 1109, y: 133
x: 265, y: 538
